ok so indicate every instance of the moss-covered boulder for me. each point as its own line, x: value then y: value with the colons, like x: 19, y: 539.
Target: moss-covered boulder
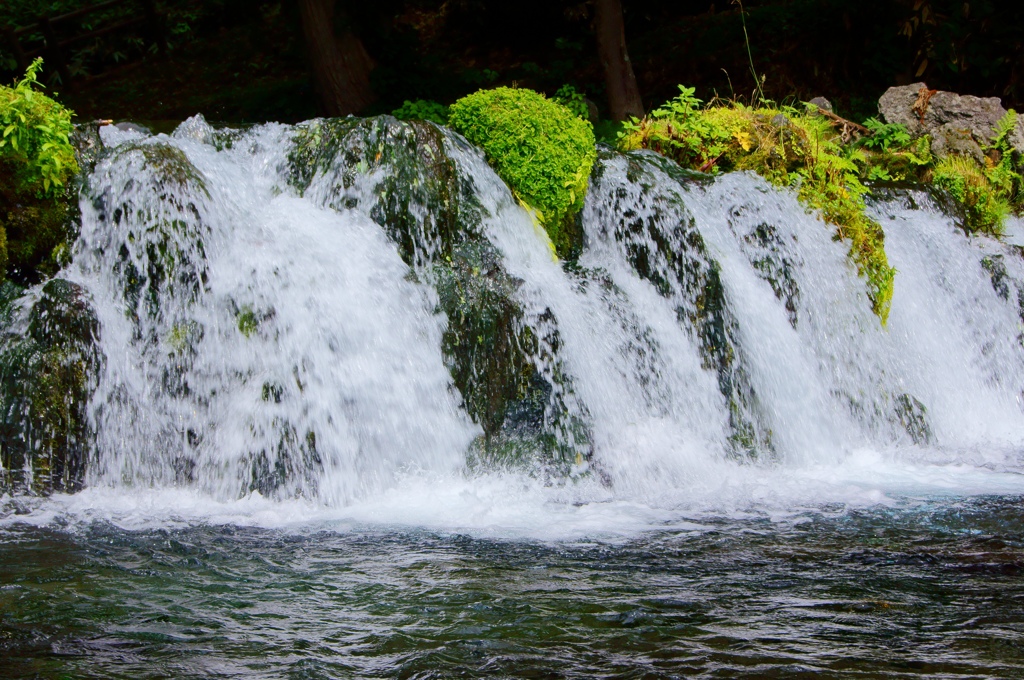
x: 49, y: 365
x: 398, y: 172
x: 542, y: 150
x: 405, y: 176
x: 788, y: 148
x: 153, y: 205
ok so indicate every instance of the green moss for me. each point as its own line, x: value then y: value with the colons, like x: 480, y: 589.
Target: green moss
x: 786, y: 147
x: 170, y: 166
x: 541, y: 149
x: 47, y: 375
x: 248, y: 324
x: 985, y: 209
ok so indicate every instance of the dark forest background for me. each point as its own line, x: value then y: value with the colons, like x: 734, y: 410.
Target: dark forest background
x: 244, y: 61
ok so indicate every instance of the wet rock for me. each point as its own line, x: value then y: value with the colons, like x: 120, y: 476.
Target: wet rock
x: 486, y: 343
x: 161, y: 252
x: 128, y: 126
x: 88, y: 147
x: 958, y: 124
x: 767, y: 252
x: 398, y: 172
x: 913, y: 416
x: 505, y: 367
x: 403, y: 175
x: 664, y: 246
x: 49, y: 365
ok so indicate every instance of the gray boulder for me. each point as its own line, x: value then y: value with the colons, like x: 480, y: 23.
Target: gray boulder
x: 958, y: 124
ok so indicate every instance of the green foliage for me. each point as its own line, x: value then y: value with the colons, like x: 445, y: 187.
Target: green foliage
x: 885, y: 135
x: 985, y: 209
x: 572, y: 99
x: 889, y: 154
x: 34, y: 132
x: 986, y: 194
x: 786, y: 147
x: 681, y: 130
x: 1005, y: 169
x: 37, y: 162
x: 542, y: 151
x: 422, y: 109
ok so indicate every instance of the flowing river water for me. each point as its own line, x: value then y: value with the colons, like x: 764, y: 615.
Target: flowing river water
x: 741, y: 471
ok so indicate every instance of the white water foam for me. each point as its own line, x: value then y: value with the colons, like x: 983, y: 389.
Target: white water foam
x: 309, y: 323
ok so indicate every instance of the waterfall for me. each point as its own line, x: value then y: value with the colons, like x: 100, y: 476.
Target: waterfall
x: 321, y: 311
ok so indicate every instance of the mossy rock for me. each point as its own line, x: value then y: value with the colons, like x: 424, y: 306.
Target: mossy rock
x: 167, y: 165
x: 494, y: 356
x: 292, y: 462
x: 398, y: 172
x: 913, y: 416
x: 541, y: 149
x: 49, y: 366
x: 33, y: 228
x: 787, y: 147
x: 154, y: 204
x: 664, y: 246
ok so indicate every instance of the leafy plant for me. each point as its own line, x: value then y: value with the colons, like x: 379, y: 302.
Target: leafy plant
x: 37, y: 162
x: 34, y: 133
x: 786, y: 147
x: 885, y: 135
x: 985, y: 209
x: 422, y: 109
x: 539, y: 147
x: 572, y: 99
x: 1004, y: 169
x: 891, y: 154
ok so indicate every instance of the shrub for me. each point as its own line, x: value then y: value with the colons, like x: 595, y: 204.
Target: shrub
x: 35, y: 132
x: 572, y: 99
x: 422, y: 109
x: 786, y: 147
x: 539, y: 147
x: 36, y: 164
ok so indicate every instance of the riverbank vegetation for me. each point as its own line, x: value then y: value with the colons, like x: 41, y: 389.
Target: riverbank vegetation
x: 831, y: 162
x: 37, y: 164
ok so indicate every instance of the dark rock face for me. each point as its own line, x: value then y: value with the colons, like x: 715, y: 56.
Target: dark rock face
x: 913, y: 416
x: 958, y: 124
x: 49, y: 365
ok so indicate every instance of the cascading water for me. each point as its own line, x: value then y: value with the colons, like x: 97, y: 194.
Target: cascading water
x: 323, y: 311
x: 343, y: 414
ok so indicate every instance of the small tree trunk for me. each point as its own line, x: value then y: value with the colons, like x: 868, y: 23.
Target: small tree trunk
x: 341, y: 65
x: 623, y: 93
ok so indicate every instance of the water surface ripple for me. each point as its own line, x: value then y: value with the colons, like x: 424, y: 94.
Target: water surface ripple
x: 926, y: 590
